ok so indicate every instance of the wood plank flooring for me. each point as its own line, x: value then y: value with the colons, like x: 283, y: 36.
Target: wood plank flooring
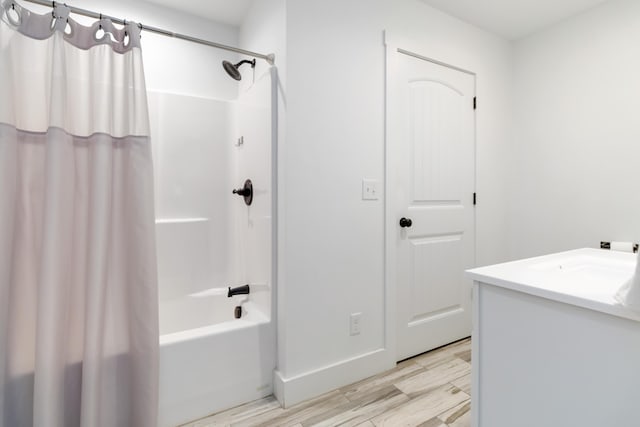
x: 429, y: 390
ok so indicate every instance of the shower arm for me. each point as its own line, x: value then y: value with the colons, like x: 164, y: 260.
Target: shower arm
x: 246, y: 61
x: 270, y: 58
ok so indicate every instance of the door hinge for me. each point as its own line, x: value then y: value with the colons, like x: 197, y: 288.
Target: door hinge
x: 475, y: 103
x: 474, y: 199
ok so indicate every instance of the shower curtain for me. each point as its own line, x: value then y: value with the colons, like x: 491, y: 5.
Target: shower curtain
x: 78, y: 288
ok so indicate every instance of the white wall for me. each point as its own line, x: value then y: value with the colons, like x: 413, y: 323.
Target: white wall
x: 331, y: 241
x: 264, y: 31
x: 577, y: 101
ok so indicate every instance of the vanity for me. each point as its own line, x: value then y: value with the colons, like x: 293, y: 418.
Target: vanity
x: 551, y: 346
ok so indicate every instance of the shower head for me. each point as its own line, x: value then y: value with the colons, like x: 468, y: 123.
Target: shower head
x: 232, y: 69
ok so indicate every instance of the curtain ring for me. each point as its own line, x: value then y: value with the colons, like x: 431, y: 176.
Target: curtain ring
x: 53, y: 12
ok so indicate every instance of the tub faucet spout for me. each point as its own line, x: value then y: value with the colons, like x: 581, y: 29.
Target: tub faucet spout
x: 239, y: 290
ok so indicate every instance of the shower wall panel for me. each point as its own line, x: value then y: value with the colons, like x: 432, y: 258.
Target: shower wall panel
x: 192, y: 143
x: 253, y: 122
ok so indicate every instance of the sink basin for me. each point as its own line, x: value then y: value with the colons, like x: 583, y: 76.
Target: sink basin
x: 591, y: 274
x: 586, y: 268
x: 585, y: 265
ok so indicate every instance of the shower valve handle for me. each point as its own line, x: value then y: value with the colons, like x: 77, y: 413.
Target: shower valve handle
x: 242, y: 192
x: 246, y: 192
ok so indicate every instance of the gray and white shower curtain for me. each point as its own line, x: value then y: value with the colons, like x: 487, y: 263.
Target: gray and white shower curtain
x: 78, y: 287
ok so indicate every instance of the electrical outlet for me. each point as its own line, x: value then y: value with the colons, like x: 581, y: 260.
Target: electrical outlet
x: 354, y: 323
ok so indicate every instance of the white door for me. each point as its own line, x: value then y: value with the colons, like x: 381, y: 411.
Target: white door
x: 431, y: 169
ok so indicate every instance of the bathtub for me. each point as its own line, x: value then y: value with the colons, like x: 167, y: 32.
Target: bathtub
x: 210, y: 360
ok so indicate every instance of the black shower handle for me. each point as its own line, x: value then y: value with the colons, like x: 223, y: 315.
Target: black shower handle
x: 242, y: 192
x: 246, y: 191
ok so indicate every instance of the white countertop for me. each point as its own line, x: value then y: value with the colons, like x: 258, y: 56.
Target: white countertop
x: 587, y: 278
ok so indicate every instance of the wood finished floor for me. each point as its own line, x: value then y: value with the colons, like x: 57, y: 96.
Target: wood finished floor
x: 429, y: 390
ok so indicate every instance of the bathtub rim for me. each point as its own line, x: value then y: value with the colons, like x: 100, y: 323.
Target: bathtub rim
x: 254, y: 318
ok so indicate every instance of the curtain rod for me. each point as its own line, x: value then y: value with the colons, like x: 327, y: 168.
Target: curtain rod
x: 270, y: 58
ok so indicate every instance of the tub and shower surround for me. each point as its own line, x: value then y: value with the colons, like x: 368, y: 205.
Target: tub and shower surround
x: 78, y: 291
x: 208, y: 239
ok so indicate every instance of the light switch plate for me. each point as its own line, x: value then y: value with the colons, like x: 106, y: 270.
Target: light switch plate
x: 354, y: 323
x: 370, y: 189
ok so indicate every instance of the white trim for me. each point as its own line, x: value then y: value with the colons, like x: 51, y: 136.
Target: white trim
x: 275, y: 210
x: 475, y: 351
x: 414, y: 48
x: 435, y: 61
x: 299, y: 388
x: 278, y: 387
x: 390, y: 288
x: 280, y: 238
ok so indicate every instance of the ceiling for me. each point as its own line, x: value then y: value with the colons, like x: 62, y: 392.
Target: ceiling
x: 513, y: 19
x: 230, y: 12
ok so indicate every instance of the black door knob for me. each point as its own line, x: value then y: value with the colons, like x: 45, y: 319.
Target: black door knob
x: 405, y: 222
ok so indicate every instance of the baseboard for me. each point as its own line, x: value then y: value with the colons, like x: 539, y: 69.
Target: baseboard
x: 299, y: 388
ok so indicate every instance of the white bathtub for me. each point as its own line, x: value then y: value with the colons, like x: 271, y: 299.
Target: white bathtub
x: 209, y: 360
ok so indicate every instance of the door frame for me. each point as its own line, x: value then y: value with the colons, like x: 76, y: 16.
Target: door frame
x: 393, y: 45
